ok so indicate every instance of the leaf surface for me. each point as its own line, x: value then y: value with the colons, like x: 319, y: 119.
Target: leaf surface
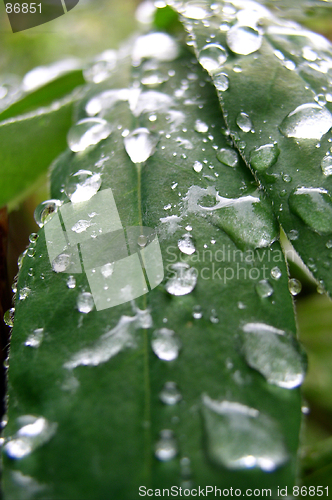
x: 100, y: 376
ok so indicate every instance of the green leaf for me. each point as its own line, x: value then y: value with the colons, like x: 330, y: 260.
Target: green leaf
x: 30, y: 143
x: 45, y: 95
x: 274, y: 89
x: 98, y: 377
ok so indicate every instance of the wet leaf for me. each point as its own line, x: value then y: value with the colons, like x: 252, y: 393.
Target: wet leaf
x: 145, y: 393
x: 275, y: 92
x: 30, y: 142
x: 45, y: 95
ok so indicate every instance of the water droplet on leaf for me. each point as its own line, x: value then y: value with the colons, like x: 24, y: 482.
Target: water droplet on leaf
x: 87, y: 132
x: 82, y: 185
x: 198, y: 166
x: 183, y: 281
x: 186, y: 245
x: 294, y: 286
x: 243, y: 122
x: 201, y: 127
x: 326, y: 165
x: 243, y: 40
x: 221, y: 82
x: 197, y: 312
x: 212, y: 56
x: 166, y: 448
x: 228, y: 157
x: 165, y: 344
x: 170, y: 394
x: 85, y: 302
x: 45, y: 211
x: 264, y: 289
x: 240, y: 437
x: 264, y: 157
x: 61, y: 263
x: 140, y: 145
x: 274, y: 354
x: 308, y: 121
x: 276, y: 273
x: 8, y: 317
x: 35, y: 338
x: 71, y: 282
x: 33, y: 433
x: 314, y: 207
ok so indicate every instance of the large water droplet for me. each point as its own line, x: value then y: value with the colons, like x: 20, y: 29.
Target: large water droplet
x: 107, y: 269
x: 198, y: 166
x: 160, y: 46
x: 326, y: 165
x: 264, y: 157
x: 201, y: 127
x: 112, y: 342
x: 243, y: 122
x: 183, y: 281
x: 264, y: 289
x: 240, y: 437
x: 249, y: 223
x: 308, y: 121
x: 24, y: 293
x: 33, y: 433
x: 197, y: 9
x: 221, y: 82
x: 294, y: 286
x: 140, y: 144
x: 35, y: 338
x: 45, y: 211
x: 212, y: 56
x: 82, y: 185
x: 8, y: 317
x: 166, y: 448
x: 61, y: 263
x: 228, y: 157
x: 71, y: 282
x: 314, y: 207
x: 165, y: 344
x: 186, y: 245
x: 87, y: 132
x: 247, y: 220
x: 274, y: 354
x: 276, y: 273
x: 170, y: 394
x: 85, y: 302
x: 243, y: 39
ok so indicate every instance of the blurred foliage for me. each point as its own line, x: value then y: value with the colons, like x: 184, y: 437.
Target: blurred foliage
x: 91, y: 27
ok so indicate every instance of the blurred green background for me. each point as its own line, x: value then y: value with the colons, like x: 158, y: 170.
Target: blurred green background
x: 96, y: 25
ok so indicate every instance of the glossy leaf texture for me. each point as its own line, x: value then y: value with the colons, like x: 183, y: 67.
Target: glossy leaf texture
x: 192, y: 384
x: 33, y: 129
x: 273, y: 82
